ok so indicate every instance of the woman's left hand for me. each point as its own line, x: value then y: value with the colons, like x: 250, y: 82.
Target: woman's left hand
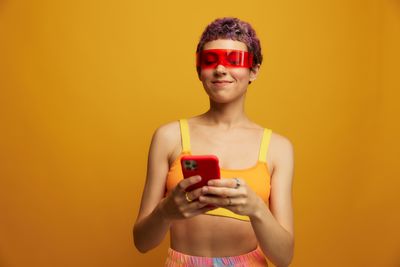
x: 232, y: 194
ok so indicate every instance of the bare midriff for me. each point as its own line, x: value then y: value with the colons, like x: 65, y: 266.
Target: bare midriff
x: 212, y: 236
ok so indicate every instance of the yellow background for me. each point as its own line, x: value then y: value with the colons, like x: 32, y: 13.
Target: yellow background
x: 83, y: 85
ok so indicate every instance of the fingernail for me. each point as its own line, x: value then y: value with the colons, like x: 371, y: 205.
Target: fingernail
x: 205, y: 189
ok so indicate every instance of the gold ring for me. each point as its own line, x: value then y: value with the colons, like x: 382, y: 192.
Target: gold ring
x: 187, y: 198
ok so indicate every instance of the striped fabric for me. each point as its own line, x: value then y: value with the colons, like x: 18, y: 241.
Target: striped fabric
x: 254, y: 258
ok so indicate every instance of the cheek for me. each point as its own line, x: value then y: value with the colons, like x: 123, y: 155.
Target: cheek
x: 240, y: 74
x: 205, y: 74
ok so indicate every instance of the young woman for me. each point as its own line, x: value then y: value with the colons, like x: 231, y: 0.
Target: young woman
x: 246, y: 215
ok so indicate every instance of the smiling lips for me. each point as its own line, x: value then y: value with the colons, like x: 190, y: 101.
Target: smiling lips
x: 221, y: 82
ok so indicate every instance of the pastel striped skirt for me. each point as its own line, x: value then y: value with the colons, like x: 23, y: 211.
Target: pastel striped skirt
x: 254, y: 258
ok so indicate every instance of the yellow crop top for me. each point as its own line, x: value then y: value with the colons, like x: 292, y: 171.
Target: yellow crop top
x: 256, y: 177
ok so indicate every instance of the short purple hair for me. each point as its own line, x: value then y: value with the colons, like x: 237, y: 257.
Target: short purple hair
x: 234, y: 29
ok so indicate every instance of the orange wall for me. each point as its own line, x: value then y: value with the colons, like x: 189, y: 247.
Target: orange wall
x: 83, y: 85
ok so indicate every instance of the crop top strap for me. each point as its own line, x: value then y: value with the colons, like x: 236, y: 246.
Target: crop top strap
x: 264, y: 145
x: 185, y: 135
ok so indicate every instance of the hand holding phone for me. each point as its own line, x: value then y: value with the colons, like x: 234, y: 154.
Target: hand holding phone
x: 206, y: 166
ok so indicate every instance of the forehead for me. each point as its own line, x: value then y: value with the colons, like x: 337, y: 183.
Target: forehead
x: 225, y: 44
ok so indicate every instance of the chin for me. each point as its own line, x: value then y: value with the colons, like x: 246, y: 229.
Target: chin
x: 221, y: 97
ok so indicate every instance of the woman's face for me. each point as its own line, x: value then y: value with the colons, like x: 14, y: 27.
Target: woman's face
x: 224, y: 84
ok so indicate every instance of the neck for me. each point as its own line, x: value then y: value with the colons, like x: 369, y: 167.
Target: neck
x: 227, y: 115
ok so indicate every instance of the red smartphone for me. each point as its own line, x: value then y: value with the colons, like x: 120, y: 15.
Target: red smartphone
x: 206, y: 166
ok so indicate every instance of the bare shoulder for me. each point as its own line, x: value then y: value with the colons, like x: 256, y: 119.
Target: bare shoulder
x: 280, y: 144
x: 281, y: 152
x: 167, y: 139
x: 167, y: 134
x: 168, y: 131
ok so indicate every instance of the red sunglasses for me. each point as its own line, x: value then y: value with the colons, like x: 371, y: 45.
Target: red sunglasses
x: 211, y: 58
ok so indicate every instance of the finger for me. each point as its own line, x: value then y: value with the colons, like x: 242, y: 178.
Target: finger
x: 217, y: 201
x: 194, y: 194
x: 226, y: 182
x: 195, y: 205
x: 221, y: 191
x: 185, y: 183
x: 191, y: 207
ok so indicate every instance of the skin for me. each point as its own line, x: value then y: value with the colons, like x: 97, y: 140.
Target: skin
x: 225, y: 131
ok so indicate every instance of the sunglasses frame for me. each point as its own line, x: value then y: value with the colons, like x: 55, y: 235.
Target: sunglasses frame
x: 245, y: 58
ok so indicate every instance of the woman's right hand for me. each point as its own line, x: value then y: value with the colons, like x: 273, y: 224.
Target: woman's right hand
x: 180, y: 204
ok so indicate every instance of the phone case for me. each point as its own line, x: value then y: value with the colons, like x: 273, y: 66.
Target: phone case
x: 206, y: 166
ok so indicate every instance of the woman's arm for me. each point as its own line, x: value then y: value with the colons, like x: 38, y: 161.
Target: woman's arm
x: 273, y: 226
x: 150, y: 227
x: 156, y: 213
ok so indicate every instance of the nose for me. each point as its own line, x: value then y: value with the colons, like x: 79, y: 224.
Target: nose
x: 220, y: 69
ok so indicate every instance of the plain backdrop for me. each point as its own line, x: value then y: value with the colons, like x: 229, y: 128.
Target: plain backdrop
x: 84, y: 84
